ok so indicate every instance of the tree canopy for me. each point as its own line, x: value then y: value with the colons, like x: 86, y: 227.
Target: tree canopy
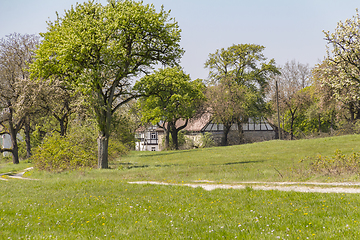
x: 239, y: 70
x: 293, y: 98
x: 16, y: 92
x: 230, y: 103
x: 245, y: 63
x: 340, y: 71
x: 169, y: 96
x: 98, y: 49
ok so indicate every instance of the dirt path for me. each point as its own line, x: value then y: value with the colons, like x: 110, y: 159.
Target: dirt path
x: 18, y: 175
x: 336, y: 187
x: 281, y: 186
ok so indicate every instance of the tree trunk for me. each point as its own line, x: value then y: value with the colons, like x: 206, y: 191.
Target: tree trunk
x: 62, y: 127
x: 319, y: 121
x: 14, y: 145
x: 225, y: 136
x: 13, y: 133
x: 104, y: 115
x: 291, y: 128
x: 241, y: 132
x: 332, y: 121
x: 174, y: 136
x: 167, y: 138
x: 276, y: 129
x: 357, y: 113
x: 352, y: 112
x: 103, y: 143
x: 15, y: 151
x: 171, y: 129
x: 27, y: 137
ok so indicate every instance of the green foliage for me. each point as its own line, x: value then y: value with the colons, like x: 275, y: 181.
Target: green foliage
x: 7, y: 158
x: 341, y: 69
x: 37, y: 136
x: 239, y: 75
x: 181, y: 138
x: 78, y: 149
x: 84, y: 205
x: 97, y: 49
x: 89, y: 203
x: 245, y: 63
x: 338, y: 164
x: 230, y: 102
x: 207, y: 140
x: 305, y: 125
x: 182, y: 141
x: 22, y: 149
x: 58, y: 153
x: 169, y: 95
x: 90, y: 29
x: 122, y: 131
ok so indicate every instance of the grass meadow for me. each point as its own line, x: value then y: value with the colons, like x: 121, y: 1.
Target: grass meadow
x: 101, y: 204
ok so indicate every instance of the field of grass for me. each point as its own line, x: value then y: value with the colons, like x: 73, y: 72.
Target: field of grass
x: 264, y: 161
x: 101, y: 204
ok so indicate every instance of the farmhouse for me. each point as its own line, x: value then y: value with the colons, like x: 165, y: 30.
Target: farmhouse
x: 151, y: 138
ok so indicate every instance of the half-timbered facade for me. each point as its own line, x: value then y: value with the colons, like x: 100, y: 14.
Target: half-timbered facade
x: 150, y: 138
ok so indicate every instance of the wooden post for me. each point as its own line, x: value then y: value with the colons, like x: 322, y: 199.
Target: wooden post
x: 277, y: 105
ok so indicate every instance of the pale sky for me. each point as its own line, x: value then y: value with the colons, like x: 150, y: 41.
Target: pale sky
x: 289, y: 29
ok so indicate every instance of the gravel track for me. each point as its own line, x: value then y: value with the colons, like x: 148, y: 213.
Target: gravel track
x: 280, y: 186
x: 316, y: 187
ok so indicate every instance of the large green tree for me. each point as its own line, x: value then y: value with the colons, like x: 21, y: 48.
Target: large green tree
x: 98, y: 49
x: 246, y: 66
x: 169, y: 97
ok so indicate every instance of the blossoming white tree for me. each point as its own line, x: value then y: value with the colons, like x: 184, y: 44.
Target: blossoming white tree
x: 343, y: 63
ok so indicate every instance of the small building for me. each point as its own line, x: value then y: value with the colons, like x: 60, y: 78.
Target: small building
x: 151, y: 138
x: 147, y: 138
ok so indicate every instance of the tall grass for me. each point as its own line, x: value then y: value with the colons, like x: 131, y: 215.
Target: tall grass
x: 100, y: 204
x: 105, y: 209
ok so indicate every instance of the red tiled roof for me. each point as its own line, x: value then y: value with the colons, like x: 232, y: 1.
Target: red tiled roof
x: 194, y: 125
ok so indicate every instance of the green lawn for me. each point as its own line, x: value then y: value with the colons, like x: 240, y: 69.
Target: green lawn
x: 265, y: 161
x: 101, y: 204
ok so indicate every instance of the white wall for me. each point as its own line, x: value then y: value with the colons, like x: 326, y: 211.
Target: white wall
x: 6, y: 143
x: 140, y: 146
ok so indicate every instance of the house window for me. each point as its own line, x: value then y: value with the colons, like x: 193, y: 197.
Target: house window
x: 153, y: 149
x: 153, y: 135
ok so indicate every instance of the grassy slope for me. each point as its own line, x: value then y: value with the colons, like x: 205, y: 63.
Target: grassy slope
x: 251, y: 162
x: 90, y: 204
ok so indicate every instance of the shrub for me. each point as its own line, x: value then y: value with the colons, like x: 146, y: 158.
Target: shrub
x: 22, y: 149
x: 207, y: 140
x: 58, y: 153
x: 335, y: 165
x: 117, y: 149
x: 77, y: 150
